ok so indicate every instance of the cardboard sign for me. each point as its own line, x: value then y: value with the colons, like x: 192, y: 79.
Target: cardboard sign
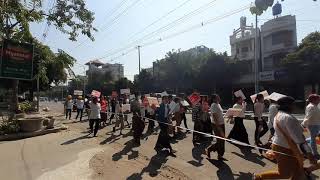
x: 132, y: 96
x: 153, y: 101
x: 264, y: 93
x: 275, y: 96
x: 126, y: 108
x: 239, y: 94
x: 77, y: 93
x: 114, y: 94
x: 234, y: 112
x: 194, y: 98
x: 185, y: 103
x: 124, y: 91
x: 96, y: 93
x: 164, y: 93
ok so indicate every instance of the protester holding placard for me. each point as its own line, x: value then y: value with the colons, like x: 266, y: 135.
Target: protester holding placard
x: 218, y: 127
x: 80, y: 106
x: 261, y: 125
x: 94, y: 118
x: 239, y: 132
x: 163, y: 138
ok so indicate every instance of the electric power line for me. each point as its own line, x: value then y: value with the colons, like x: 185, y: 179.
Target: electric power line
x: 167, y: 27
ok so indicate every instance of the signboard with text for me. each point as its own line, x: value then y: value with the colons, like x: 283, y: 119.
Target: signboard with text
x: 95, y: 93
x: 16, y: 60
x: 124, y: 91
x: 194, y: 98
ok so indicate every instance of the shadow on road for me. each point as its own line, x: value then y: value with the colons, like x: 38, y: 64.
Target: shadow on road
x: 111, y: 139
x: 248, y: 155
x: 153, y: 167
x: 129, y: 145
x: 197, y: 152
x: 76, y: 139
x: 224, y: 171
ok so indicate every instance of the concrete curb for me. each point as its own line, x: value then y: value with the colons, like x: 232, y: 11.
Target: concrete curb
x: 23, y: 135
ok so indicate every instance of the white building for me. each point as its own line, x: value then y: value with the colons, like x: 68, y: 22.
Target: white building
x: 277, y: 38
x: 96, y: 66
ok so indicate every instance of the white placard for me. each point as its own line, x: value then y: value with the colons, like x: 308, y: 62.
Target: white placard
x: 185, y: 103
x: 124, y: 91
x: 77, y: 93
x: 240, y: 94
x: 132, y: 96
x: 275, y: 96
x: 264, y: 93
x: 234, y: 112
x: 126, y: 107
x: 164, y: 93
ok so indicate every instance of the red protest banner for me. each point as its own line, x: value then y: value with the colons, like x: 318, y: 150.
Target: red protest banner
x: 96, y: 93
x: 194, y: 98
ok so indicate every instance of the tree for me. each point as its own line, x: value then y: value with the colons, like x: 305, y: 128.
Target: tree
x: 123, y: 83
x: 69, y: 16
x: 144, y: 82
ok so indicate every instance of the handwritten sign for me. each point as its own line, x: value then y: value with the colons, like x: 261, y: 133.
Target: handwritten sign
x: 264, y: 93
x: 124, y: 91
x: 153, y: 101
x: 95, y: 93
x: 194, y: 98
x: 239, y: 94
x: 275, y: 96
x: 126, y: 108
x: 234, y: 112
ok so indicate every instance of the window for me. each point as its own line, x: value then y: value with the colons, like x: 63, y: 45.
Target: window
x: 244, y: 49
x: 282, y: 37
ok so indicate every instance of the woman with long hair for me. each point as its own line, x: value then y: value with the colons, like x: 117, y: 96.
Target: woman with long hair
x: 239, y: 132
x: 290, y: 142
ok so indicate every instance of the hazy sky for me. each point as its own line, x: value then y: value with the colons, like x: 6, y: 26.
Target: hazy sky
x: 121, y: 28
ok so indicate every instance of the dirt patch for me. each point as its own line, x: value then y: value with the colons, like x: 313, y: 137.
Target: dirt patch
x: 110, y: 164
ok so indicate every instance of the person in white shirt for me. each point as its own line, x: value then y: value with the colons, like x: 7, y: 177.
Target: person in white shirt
x: 239, y: 132
x: 273, y: 110
x: 288, y: 139
x: 68, y: 106
x: 119, y: 116
x: 217, y: 121
x: 312, y: 121
x: 261, y: 125
x: 94, y: 119
x: 80, y: 105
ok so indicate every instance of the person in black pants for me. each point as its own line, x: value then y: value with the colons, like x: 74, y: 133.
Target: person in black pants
x: 113, y: 109
x: 94, y: 119
x: 261, y: 125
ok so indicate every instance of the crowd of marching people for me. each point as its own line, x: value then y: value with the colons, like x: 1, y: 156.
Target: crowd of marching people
x: 286, y: 144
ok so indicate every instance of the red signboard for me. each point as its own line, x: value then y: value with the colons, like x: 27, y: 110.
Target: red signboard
x: 96, y: 93
x: 194, y: 98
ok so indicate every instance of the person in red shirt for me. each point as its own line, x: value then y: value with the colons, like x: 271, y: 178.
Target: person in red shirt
x: 104, y: 107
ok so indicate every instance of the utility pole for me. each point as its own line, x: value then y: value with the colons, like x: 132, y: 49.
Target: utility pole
x: 256, y: 63
x: 38, y: 93
x: 139, y: 58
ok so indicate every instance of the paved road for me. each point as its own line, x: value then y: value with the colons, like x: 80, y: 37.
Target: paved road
x: 74, y: 155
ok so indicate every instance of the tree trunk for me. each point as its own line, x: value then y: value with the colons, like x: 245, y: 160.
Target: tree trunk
x: 14, y: 98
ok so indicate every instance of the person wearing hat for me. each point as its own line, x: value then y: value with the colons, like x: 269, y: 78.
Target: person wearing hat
x: 290, y: 142
x: 312, y: 121
x: 68, y: 106
x: 80, y: 105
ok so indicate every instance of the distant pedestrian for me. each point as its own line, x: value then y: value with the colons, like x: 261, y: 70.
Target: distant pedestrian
x: 183, y: 110
x: 80, y: 106
x: 94, y: 119
x: 218, y: 127
x: 312, y: 121
x: 68, y: 106
x: 164, y: 138
x: 119, y: 117
x: 261, y: 125
x: 104, y: 107
x: 113, y: 109
x: 151, y: 115
x: 239, y: 132
x: 137, y: 121
x: 196, y: 118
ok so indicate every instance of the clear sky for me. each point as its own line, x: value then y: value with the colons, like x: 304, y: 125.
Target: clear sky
x: 118, y: 30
